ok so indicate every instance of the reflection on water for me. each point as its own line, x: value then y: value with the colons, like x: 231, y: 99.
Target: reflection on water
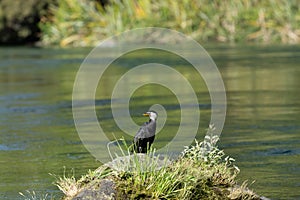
x: 261, y: 131
x: 262, y: 128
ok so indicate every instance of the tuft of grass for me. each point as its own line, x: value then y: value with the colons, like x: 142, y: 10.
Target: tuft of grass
x: 71, y: 187
x: 68, y: 185
x: 242, y: 192
x: 32, y: 195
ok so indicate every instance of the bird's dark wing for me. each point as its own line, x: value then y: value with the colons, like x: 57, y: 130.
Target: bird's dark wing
x: 145, y: 137
x: 142, y: 132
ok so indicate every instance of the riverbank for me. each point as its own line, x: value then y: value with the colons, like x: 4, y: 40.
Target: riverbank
x: 85, y: 23
x: 202, y: 171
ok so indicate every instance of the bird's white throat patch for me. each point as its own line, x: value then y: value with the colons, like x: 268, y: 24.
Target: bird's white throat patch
x: 153, y: 118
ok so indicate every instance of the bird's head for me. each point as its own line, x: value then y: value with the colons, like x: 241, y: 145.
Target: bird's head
x: 152, y: 115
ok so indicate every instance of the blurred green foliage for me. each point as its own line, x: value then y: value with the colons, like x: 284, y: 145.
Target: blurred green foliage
x: 19, y: 20
x: 85, y: 22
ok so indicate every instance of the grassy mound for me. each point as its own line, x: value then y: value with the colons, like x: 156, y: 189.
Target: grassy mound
x: 202, y: 171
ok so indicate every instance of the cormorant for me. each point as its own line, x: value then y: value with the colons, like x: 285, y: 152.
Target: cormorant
x: 146, y: 134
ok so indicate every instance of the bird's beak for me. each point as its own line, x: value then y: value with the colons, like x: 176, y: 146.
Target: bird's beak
x: 146, y: 114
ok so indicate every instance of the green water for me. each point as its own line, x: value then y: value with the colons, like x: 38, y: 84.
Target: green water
x: 38, y: 136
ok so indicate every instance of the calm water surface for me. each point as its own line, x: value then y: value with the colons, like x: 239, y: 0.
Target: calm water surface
x: 38, y: 136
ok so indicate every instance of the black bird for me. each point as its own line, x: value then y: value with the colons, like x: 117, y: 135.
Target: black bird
x: 146, y: 134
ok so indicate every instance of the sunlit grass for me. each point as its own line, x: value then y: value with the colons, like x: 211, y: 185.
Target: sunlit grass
x: 68, y: 185
x: 85, y: 23
x: 32, y: 195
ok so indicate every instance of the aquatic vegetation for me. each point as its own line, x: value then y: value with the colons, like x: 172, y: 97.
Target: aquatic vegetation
x: 85, y: 23
x: 201, y: 172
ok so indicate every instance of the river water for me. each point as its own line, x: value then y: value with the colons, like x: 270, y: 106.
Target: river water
x: 38, y: 135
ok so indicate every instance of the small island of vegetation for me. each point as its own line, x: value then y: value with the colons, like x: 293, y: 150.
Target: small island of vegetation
x: 202, y: 171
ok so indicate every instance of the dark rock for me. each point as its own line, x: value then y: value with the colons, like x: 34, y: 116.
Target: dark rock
x: 104, y: 190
